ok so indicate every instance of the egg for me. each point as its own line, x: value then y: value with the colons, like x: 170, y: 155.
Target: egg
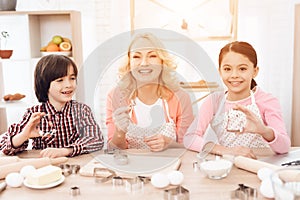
x: 160, y: 180
x: 264, y: 173
x: 175, y: 177
x: 14, y: 179
x: 27, y: 170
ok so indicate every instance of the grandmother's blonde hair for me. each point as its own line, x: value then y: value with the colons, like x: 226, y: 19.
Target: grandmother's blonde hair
x: 168, y: 81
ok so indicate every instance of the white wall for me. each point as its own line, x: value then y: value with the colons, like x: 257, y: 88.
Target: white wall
x: 267, y: 24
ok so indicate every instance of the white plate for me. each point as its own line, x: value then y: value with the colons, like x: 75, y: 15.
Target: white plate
x: 50, y: 185
x: 65, y: 53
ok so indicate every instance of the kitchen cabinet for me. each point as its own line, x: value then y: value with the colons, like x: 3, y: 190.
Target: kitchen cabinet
x: 29, y: 31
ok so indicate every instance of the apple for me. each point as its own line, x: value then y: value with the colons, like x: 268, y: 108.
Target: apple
x: 57, y: 39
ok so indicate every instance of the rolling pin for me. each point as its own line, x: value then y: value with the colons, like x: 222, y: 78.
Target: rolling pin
x: 252, y: 165
x: 8, y: 159
x: 36, y: 162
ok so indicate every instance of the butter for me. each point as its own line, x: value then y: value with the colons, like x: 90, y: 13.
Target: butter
x: 44, y: 175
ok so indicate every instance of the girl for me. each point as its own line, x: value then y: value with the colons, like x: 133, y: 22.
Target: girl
x: 59, y: 125
x: 147, y: 110
x: 245, y: 116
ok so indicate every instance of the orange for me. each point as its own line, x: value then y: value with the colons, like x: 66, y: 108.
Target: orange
x: 52, y: 47
x: 65, y: 46
x: 44, y: 48
x: 66, y: 40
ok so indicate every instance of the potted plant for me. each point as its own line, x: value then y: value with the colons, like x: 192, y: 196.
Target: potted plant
x: 4, y: 53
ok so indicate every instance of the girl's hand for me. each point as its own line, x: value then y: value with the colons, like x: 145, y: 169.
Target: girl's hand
x: 253, y: 123
x: 121, y: 118
x: 236, y: 151
x: 55, y: 152
x: 158, y: 142
x: 242, y: 151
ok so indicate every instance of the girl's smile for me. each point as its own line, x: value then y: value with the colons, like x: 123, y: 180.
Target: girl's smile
x: 237, y: 73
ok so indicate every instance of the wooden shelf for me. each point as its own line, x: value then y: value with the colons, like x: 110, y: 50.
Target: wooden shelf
x: 29, y: 31
x: 15, y: 104
x: 36, y: 29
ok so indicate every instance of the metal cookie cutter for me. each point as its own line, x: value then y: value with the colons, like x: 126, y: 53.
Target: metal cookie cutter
x: 178, y: 193
x: 134, y: 185
x: 75, y: 169
x: 120, y: 158
x: 195, y: 166
x: 144, y: 179
x: 110, y: 151
x: 74, y: 191
x: 66, y: 169
x: 103, y: 175
x: 69, y: 169
x: 117, y: 181
x: 244, y: 192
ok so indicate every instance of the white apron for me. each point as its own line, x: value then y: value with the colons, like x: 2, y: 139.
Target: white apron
x: 135, y: 134
x: 235, y: 120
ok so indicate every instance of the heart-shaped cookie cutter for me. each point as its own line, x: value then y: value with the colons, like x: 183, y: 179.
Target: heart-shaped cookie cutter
x: 178, y: 193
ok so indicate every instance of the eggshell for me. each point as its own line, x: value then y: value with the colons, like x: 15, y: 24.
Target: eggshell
x: 264, y: 173
x: 14, y: 179
x: 175, y: 177
x: 160, y: 180
x: 27, y: 170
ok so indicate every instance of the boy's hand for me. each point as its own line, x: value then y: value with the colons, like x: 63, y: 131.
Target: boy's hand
x: 32, y: 128
x: 56, y: 152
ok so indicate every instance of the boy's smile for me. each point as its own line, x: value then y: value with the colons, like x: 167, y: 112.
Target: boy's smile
x: 62, y: 89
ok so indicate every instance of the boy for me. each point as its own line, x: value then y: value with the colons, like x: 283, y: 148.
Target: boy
x: 59, y: 125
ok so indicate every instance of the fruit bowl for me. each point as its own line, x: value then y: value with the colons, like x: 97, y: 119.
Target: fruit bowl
x: 65, y: 53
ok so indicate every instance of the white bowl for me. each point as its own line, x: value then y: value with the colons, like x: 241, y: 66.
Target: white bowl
x: 65, y: 53
x: 286, y: 183
x: 216, y: 169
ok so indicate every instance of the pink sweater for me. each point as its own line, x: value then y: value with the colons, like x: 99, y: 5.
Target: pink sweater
x: 269, y: 109
x: 180, y: 110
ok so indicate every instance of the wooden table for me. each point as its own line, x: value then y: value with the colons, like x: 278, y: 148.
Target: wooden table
x: 199, y: 186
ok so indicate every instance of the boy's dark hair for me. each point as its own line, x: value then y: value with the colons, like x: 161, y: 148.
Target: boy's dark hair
x: 48, y: 69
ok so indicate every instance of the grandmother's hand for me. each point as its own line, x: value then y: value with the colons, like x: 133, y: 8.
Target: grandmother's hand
x: 121, y: 118
x: 158, y: 142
